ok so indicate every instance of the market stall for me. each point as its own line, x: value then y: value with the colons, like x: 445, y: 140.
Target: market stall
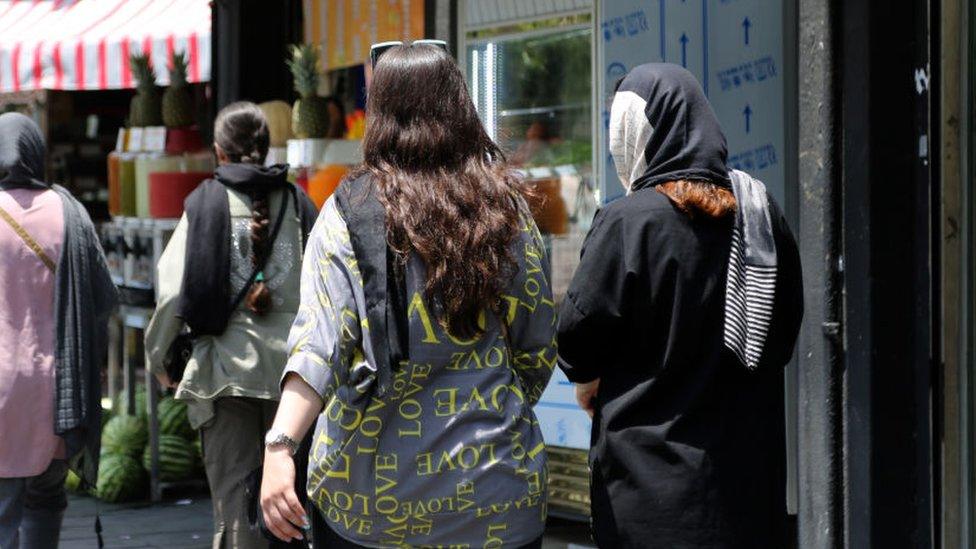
x: 341, y: 33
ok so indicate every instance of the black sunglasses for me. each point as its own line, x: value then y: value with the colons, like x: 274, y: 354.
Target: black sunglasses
x: 376, y: 50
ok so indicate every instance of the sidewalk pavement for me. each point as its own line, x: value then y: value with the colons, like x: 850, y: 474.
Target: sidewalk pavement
x: 188, y: 523
x: 173, y: 523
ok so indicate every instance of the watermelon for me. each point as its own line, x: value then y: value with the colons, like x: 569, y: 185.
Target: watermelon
x: 120, y: 478
x: 72, y: 482
x: 119, y: 406
x: 173, y: 420
x: 177, y: 458
x: 124, y: 435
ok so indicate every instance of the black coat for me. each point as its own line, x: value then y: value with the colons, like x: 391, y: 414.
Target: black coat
x: 688, y: 447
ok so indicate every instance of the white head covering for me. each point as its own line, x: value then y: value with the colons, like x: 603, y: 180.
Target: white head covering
x: 629, y: 132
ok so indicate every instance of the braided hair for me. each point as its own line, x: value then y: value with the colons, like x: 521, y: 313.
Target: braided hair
x: 241, y: 131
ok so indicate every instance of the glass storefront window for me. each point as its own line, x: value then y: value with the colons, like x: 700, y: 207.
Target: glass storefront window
x: 530, y: 72
x: 532, y: 84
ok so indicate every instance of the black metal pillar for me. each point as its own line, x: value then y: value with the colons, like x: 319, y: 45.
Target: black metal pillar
x: 888, y: 283
x: 857, y: 76
x: 869, y: 253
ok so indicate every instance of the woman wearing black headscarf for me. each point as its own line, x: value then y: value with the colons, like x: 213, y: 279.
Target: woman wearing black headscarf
x: 55, y: 299
x: 676, y: 328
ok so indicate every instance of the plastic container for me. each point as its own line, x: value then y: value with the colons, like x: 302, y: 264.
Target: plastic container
x: 324, y: 183
x: 127, y: 184
x: 168, y: 190
x: 551, y: 215
x: 114, y: 190
x: 343, y: 151
x: 300, y: 178
x: 115, y: 247
x: 303, y: 153
x: 200, y: 161
x: 149, y: 164
x: 146, y: 164
x: 138, y: 266
x: 183, y: 140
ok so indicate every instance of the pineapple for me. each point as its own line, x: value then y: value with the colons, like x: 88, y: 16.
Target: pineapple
x: 144, y: 110
x: 177, y: 101
x: 310, y: 116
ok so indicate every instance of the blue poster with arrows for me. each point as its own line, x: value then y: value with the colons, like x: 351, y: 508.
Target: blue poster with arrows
x: 734, y: 47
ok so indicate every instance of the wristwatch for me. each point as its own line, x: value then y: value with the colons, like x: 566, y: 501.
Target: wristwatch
x: 275, y: 438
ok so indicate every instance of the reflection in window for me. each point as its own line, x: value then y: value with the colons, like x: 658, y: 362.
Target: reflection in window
x: 532, y: 85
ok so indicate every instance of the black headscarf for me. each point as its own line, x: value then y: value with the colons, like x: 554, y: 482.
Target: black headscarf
x: 662, y: 128
x: 21, y: 153
x: 205, y: 300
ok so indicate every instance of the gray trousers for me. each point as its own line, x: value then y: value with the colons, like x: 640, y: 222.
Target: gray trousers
x: 31, y: 509
x: 233, y: 446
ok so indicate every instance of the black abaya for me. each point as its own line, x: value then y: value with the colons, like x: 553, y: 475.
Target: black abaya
x: 688, y: 446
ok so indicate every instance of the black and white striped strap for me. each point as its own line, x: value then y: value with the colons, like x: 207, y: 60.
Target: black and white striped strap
x: 751, y: 284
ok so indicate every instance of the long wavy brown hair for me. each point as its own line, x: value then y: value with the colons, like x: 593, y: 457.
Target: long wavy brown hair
x: 449, y: 196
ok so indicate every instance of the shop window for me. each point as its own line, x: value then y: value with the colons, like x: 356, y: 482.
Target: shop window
x: 529, y: 67
x: 533, y: 87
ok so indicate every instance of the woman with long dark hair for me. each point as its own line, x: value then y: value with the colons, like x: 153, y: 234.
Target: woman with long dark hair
x: 425, y: 336
x: 676, y: 328
x: 229, y: 276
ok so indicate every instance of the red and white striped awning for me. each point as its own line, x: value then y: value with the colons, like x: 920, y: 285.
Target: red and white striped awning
x: 85, y: 44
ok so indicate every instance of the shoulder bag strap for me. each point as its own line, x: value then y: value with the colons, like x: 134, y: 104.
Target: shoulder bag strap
x: 28, y: 240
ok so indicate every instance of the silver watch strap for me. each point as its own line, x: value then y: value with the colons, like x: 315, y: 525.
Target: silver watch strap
x: 277, y: 439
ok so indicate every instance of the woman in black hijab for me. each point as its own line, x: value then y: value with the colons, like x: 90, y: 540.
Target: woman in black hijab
x: 677, y: 326
x: 55, y: 299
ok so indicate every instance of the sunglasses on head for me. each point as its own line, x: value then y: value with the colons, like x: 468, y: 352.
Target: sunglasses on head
x: 376, y: 50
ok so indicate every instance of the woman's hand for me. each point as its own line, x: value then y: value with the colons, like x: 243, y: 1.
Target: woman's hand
x: 586, y: 395
x: 165, y: 381
x: 283, y: 514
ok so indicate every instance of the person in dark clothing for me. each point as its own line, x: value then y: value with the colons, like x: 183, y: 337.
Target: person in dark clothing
x: 56, y: 296
x: 676, y: 328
